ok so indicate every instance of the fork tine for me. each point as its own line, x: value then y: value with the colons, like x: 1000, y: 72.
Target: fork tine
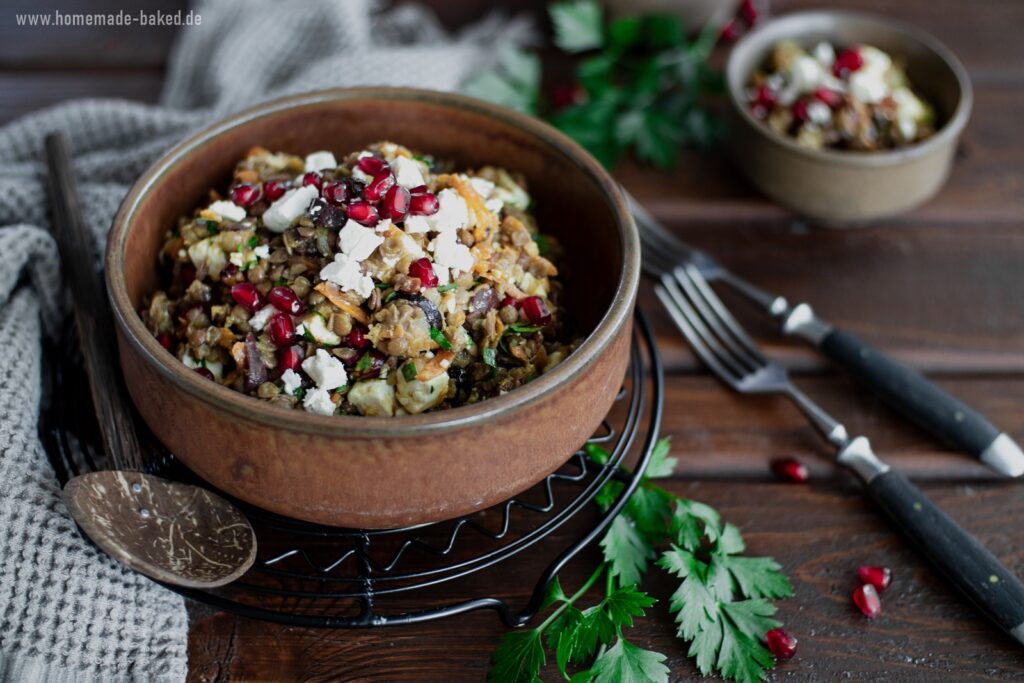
x: 719, y: 311
x: 704, y: 344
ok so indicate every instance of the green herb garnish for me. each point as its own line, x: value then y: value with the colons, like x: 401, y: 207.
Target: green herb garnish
x: 442, y: 341
x: 211, y: 227
x: 300, y: 393
x: 447, y: 288
x: 280, y: 283
x: 409, y: 371
x: 391, y: 295
x: 543, y: 246
x: 490, y: 357
x: 253, y: 241
x: 365, y: 362
x: 722, y: 603
x: 381, y: 285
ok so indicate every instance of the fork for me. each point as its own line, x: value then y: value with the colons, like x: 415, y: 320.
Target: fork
x: 899, y: 385
x: 730, y: 353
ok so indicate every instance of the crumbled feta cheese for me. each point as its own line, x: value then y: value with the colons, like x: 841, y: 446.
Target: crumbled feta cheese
x: 293, y: 204
x: 319, y: 401
x: 215, y: 368
x: 261, y: 317
x: 207, y: 254
x: 868, y: 86
x: 416, y: 224
x: 189, y: 362
x: 292, y: 381
x: 347, y: 273
x: 494, y: 205
x: 909, y: 111
x: 452, y: 212
x: 807, y: 72
x: 373, y: 397
x: 819, y: 112
x: 320, y: 161
x: 300, y: 330
x: 327, y: 371
x: 237, y: 258
x: 407, y: 172
x: 417, y: 396
x: 358, y: 241
x: 874, y: 59
x: 451, y: 253
x: 262, y: 251
x: 443, y: 277
x: 825, y: 54
x: 482, y: 186
x: 383, y: 226
x: 229, y: 210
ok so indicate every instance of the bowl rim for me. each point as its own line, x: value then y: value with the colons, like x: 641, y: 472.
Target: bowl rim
x: 254, y: 410
x: 791, y: 26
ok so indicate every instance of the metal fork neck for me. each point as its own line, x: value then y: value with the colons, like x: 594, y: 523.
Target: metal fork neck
x: 833, y: 430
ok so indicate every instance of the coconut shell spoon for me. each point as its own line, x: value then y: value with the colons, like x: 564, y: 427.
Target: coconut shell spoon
x: 171, y: 532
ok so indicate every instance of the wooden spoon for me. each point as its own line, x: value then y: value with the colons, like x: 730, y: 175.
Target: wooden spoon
x: 169, y: 531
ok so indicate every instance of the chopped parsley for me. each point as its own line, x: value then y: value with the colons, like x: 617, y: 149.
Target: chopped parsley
x: 365, y: 362
x: 253, y: 241
x: 447, y: 288
x: 391, y: 295
x: 523, y: 328
x: 409, y: 371
x: 491, y: 357
x: 211, y: 227
x: 381, y: 285
x: 299, y: 393
x: 442, y: 341
x: 280, y: 283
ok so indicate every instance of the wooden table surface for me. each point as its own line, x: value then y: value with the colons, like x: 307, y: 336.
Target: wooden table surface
x: 941, y: 288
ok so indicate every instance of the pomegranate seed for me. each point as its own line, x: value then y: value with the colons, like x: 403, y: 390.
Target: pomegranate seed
x: 423, y: 204
x: 285, y: 300
x: 247, y: 296
x: 379, y: 186
x: 790, y: 469
x: 313, y: 178
x: 289, y: 358
x: 748, y: 12
x: 165, y: 341
x: 229, y: 274
x: 363, y: 213
x: 800, y: 110
x: 396, y: 203
x: 509, y: 301
x: 867, y: 600
x: 376, y: 364
x: 335, y: 192
x: 245, y: 194
x: 204, y: 372
x: 731, y: 31
x: 765, y: 96
x: 187, y: 273
x: 781, y: 644
x: 356, y: 338
x: 281, y: 329
x: 847, y: 62
x: 372, y: 166
x: 275, y: 189
x: 535, y: 310
x: 879, y: 577
x: 423, y: 269
x: 829, y: 97
x: 419, y: 189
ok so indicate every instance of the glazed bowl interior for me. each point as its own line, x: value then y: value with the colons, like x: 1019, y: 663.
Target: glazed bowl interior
x: 573, y: 200
x: 933, y: 71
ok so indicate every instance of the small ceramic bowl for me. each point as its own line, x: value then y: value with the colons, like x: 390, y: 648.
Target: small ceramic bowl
x: 836, y: 187
x: 372, y: 472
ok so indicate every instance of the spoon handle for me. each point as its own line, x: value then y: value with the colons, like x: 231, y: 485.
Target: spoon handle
x: 92, y: 310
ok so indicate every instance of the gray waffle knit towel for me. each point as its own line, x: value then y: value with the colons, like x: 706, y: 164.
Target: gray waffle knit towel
x: 67, y: 612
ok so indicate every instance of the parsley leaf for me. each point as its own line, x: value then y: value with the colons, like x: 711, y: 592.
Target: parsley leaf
x: 490, y: 356
x: 409, y: 371
x: 626, y: 551
x: 518, y: 658
x: 742, y: 658
x: 627, y: 663
x: 578, y: 25
x: 625, y: 603
x: 439, y: 338
x: 661, y: 464
x: 364, y: 363
x: 447, y: 288
x: 757, y: 577
x: 253, y: 241
x: 514, y: 83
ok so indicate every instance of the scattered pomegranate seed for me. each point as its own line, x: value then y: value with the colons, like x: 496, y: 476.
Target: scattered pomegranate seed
x: 289, y: 358
x: 372, y: 166
x: 879, y: 577
x: 830, y: 97
x: 790, y: 469
x: 396, y: 203
x: 313, y: 178
x: 165, y: 341
x: 509, y: 301
x: 765, y: 96
x: 781, y: 644
x: 335, y: 192
x: 423, y: 269
x: 378, y: 187
x: 847, y: 62
x: 187, y: 273
x: 748, y: 12
x: 800, y: 110
x: 867, y: 600
x: 363, y: 213
x: 245, y: 194
x: 281, y: 329
x: 247, y: 296
x: 376, y: 364
x: 275, y: 189
x: 285, y: 300
x: 204, y: 372
x: 419, y: 189
x: 535, y: 310
x: 229, y: 274
x: 356, y: 338
x: 731, y: 31
x: 423, y: 204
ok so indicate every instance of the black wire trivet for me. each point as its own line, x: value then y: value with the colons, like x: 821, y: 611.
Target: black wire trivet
x: 312, y: 575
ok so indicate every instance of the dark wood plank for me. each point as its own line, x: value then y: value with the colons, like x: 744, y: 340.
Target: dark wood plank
x: 819, y: 533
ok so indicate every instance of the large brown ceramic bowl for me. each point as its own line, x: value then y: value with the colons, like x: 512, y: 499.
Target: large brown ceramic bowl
x: 842, y: 188
x: 382, y: 472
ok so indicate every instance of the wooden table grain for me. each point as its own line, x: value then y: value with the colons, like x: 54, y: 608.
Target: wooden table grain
x: 940, y: 288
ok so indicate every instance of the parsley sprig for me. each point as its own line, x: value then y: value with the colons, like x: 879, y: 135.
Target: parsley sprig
x: 641, y: 84
x: 722, y: 605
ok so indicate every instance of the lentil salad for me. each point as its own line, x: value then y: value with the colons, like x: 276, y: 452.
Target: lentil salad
x: 383, y: 284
